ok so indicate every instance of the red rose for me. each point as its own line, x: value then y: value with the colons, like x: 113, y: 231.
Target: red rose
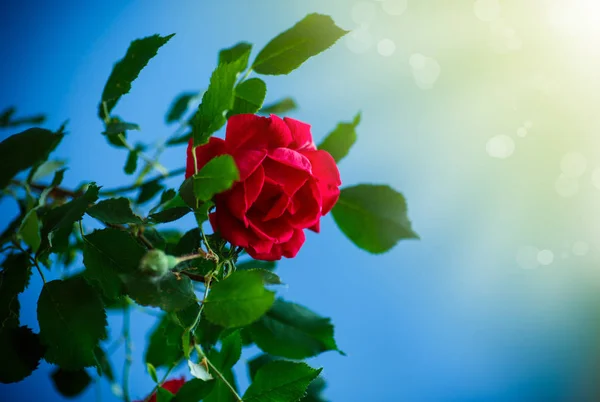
x: 285, y: 184
x: 172, y: 386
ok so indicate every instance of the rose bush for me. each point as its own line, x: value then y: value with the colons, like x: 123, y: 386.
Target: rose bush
x: 285, y: 184
x: 173, y: 386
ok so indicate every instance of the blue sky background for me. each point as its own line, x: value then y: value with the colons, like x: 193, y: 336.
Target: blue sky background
x: 453, y: 317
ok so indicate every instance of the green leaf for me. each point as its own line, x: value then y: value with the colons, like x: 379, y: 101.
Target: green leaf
x: 179, y: 106
x: 171, y: 292
x: 30, y: 230
x: 374, y: 217
x: 107, y: 254
x: 70, y: 383
x: 14, y: 279
x: 315, y: 390
x: 280, y: 107
x: 231, y: 350
x: 340, y: 140
x: 238, y: 300
x: 216, y: 176
x: 131, y: 162
x: 238, y: 53
x: 118, y: 127
x: 58, y: 223
x: 21, y: 352
x: 6, y: 119
x: 169, y: 215
x: 46, y: 169
x: 164, y: 347
x: 280, y: 381
x: 126, y: 70
x: 152, y: 371
x: 189, y: 243
x: 115, y: 211
x: 286, y: 52
x: 72, y: 322
x: 194, y: 390
x: 148, y: 191
x: 23, y: 150
x: 293, y: 331
x: 163, y: 395
x: 103, y: 367
x: 249, y: 96
x: 218, y: 98
x: 252, y: 264
x: 207, y: 334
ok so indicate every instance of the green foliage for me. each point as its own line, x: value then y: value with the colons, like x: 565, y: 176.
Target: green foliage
x: 70, y: 383
x: 72, y: 322
x: 292, y: 331
x: 219, y: 96
x: 280, y: 381
x: 7, y: 120
x: 117, y: 127
x: 238, y: 300
x: 164, y: 347
x: 169, y: 215
x: 21, y: 353
x: 341, y: 139
x: 29, y: 230
x: 239, y: 53
x: 249, y: 96
x: 287, y: 51
x: 215, y: 177
x: 126, y: 70
x: 115, y: 211
x: 280, y: 107
x: 179, y: 106
x: 170, y: 292
x: 14, y: 278
x: 23, y: 150
x: 194, y: 390
x: 374, y: 217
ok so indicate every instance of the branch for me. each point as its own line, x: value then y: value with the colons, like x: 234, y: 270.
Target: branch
x: 126, y: 189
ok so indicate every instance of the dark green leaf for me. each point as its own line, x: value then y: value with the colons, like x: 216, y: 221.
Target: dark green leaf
x: 340, y: 140
x: 280, y: 107
x: 256, y: 363
x: 103, y: 367
x: 6, y: 119
x: 58, y: 223
x: 216, y: 176
x: 169, y: 215
x: 171, y: 292
x: 126, y: 70
x: 237, y: 53
x: 293, y: 331
x: 131, y: 162
x: 115, y: 211
x: 194, y: 390
x: 315, y: 390
x: 252, y: 264
x: 164, y: 348
x: 249, y: 96
x: 374, y: 217
x: 238, y: 300
x: 148, y: 191
x: 286, y: 52
x: 189, y: 243
x: 217, y: 99
x: 281, y: 381
x: 72, y: 322
x: 70, y: 383
x: 14, y: 279
x: 179, y: 106
x: 107, y: 254
x: 163, y: 395
x: 21, y: 151
x: 118, y: 127
x: 21, y: 352
x: 269, y: 278
x: 30, y: 230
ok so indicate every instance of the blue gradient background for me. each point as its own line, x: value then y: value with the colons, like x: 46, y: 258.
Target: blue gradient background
x: 449, y: 318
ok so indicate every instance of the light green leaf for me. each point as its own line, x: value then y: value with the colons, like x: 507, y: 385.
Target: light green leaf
x: 217, y: 99
x: 179, y: 106
x: 72, y: 322
x: 292, y: 331
x: 374, y: 217
x: 280, y: 381
x: 152, y: 371
x: 280, y: 107
x: 237, y: 53
x: 115, y: 211
x: 238, y: 300
x: 30, y: 230
x: 107, y: 254
x: 199, y: 371
x: 23, y: 150
x: 46, y: 169
x: 287, y: 51
x: 341, y: 139
x: 126, y: 70
x: 216, y: 176
x: 249, y: 96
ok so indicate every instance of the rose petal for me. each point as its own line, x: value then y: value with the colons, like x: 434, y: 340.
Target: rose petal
x: 290, y: 179
x: 253, y: 186
x: 254, y: 132
x: 204, y: 153
x: 247, y: 161
x: 301, y: 136
x: 230, y: 228
x: 291, y: 158
x: 291, y: 248
x: 235, y: 200
x: 306, y: 206
x: 276, y: 231
x: 316, y: 227
x: 326, y: 173
x: 272, y: 255
x: 278, y: 207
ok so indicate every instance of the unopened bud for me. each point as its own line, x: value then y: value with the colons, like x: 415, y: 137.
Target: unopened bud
x: 157, y: 263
